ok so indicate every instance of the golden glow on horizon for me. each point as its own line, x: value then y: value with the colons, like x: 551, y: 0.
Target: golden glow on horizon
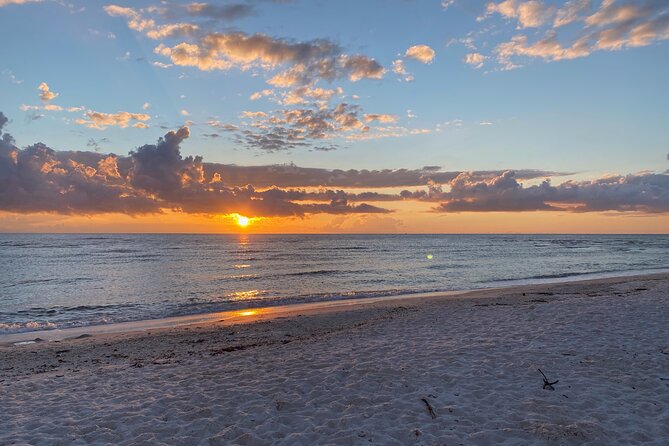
x: 407, y: 218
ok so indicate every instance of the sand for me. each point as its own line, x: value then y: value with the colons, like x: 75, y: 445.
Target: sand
x: 428, y: 371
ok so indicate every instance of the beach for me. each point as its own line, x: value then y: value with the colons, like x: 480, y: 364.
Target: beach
x: 425, y: 370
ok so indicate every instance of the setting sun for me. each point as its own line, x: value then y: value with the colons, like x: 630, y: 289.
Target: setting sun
x: 241, y: 220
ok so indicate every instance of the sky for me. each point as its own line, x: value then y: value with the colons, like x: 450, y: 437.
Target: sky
x: 399, y: 116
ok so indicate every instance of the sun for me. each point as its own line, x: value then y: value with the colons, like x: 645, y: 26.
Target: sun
x: 241, y: 221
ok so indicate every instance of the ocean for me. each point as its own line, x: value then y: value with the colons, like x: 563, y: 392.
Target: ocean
x: 58, y: 281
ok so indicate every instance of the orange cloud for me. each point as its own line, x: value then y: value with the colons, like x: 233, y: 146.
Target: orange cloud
x: 100, y: 121
x: 476, y: 60
x: 17, y: 2
x: 421, y: 53
x: 46, y: 95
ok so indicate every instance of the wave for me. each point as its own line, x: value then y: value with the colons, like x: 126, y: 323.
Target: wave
x: 576, y: 274
x: 61, y: 309
x: 56, y: 280
x: 315, y: 273
x: 121, y: 251
x: 26, y: 326
x: 350, y: 248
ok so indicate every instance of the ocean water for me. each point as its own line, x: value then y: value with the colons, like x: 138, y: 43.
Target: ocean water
x: 58, y: 281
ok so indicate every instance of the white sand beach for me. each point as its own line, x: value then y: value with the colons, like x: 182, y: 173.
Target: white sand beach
x: 424, y: 371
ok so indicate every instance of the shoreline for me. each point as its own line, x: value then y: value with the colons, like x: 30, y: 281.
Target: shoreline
x: 255, y: 314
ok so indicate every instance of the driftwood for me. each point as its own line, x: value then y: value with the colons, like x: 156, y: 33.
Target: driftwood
x: 547, y: 384
x: 429, y: 408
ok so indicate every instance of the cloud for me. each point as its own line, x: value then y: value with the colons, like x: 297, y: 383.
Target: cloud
x: 95, y: 144
x: 457, y: 123
x: 308, y: 120
x: 260, y: 94
x: 293, y: 69
x: 445, y: 4
x: 17, y: 2
x: 228, y: 12
x: 152, y: 178
x: 386, y: 119
x: 100, y: 121
x: 47, y: 107
x: 290, y: 175
x: 37, y: 179
x: 613, y: 27
x: 149, y: 27
x: 612, y: 12
x: 161, y: 64
x: 4, y: 120
x: 155, y: 177
x: 306, y: 61
x: 304, y: 94
x: 287, y: 129
x: 222, y: 126
x: 392, y: 131
x: 530, y: 14
x: 476, y: 60
x: 399, y: 68
x: 12, y: 77
x: 571, y: 12
x: 645, y: 192
x: 421, y: 53
x: 302, y: 62
x: 46, y: 95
